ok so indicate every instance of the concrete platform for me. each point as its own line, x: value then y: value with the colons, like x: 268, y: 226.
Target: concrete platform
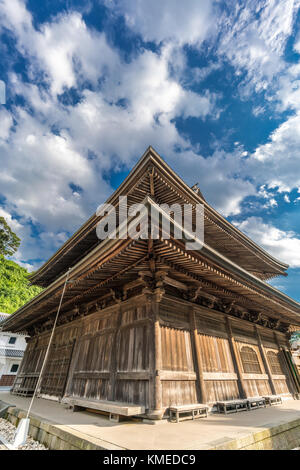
x: 265, y: 428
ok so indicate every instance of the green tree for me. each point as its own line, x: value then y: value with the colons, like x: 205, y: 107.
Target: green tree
x: 9, y: 241
x: 15, y: 288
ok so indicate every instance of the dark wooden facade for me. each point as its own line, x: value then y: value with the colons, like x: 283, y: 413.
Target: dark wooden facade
x: 149, y: 323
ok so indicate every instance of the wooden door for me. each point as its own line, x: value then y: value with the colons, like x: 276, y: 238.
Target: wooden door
x: 57, y: 368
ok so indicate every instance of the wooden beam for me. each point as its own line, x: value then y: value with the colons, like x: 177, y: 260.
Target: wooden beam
x: 174, y: 283
x: 91, y: 375
x: 138, y: 375
x: 220, y: 376
x: 176, y: 375
x: 151, y: 177
x: 131, y: 285
x: 98, y: 285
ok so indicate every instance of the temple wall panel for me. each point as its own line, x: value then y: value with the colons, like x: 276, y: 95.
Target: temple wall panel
x: 220, y: 379
x: 176, y: 350
x: 178, y: 392
x: 177, y: 361
x: 257, y: 387
x: 156, y: 355
x: 133, y: 391
x: 221, y: 390
x: 133, y: 348
x: 111, y: 357
x: 56, y: 370
x: 281, y: 386
x: 217, y: 364
x: 244, y: 333
x: 215, y: 352
x: 256, y: 381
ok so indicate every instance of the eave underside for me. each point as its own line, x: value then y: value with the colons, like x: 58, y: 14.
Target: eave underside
x: 132, y: 265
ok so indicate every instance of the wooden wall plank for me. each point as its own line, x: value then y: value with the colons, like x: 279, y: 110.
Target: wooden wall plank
x: 236, y: 360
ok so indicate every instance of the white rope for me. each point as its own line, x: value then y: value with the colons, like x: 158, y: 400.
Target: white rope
x: 48, y: 347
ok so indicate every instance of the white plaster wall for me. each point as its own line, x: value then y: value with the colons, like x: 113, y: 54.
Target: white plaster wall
x: 19, y: 344
x: 7, y: 362
x: 7, y: 365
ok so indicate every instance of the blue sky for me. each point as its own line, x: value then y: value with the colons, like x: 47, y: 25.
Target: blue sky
x: 214, y: 87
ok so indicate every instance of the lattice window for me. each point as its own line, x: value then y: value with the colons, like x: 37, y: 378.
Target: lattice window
x: 250, y: 361
x: 274, y: 362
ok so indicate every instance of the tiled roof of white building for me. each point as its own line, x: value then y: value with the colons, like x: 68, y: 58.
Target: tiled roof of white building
x: 11, y: 352
x: 3, y: 316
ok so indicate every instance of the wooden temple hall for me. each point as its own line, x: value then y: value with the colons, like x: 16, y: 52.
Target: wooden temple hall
x: 146, y: 324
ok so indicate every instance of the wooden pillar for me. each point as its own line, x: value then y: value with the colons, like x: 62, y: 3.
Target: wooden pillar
x: 201, y: 391
x: 265, y: 361
x: 114, y: 358
x: 236, y: 360
x: 155, y: 389
x: 290, y: 379
x: 158, y: 359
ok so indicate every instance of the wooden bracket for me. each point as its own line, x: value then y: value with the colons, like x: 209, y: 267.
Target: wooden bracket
x: 194, y: 294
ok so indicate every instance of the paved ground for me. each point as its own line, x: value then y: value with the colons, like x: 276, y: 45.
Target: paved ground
x: 198, y: 434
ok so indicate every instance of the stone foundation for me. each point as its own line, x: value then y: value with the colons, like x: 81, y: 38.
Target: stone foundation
x: 57, y: 437
x: 60, y: 437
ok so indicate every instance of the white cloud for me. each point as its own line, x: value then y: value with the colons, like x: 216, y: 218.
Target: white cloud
x: 168, y: 20
x: 6, y: 123
x: 273, y: 202
x: 13, y: 223
x: 65, y: 50
x: 129, y: 105
x: 258, y: 110
x: 219, y: 178
x: 39, y: 167
x: 285, y: 246
x: 115, y: 121
x: 32, y: 246
x: 278, y: 160
x: 253, y: 38
x: 194, y: 105
x: 198, y: 74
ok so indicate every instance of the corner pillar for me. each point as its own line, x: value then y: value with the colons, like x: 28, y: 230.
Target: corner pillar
x: 156, y: 410
x: 201, y: 390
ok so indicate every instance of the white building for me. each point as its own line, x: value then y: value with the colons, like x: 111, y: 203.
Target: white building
x: 12, y: 347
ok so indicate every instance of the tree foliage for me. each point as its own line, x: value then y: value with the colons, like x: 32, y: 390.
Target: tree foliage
x: 9, y: 241
x: 15, y: 289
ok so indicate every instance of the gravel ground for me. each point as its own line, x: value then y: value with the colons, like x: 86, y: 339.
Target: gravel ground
x: 7, y: 430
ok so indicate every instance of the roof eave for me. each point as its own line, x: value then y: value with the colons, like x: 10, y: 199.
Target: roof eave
x: 150, y: 155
